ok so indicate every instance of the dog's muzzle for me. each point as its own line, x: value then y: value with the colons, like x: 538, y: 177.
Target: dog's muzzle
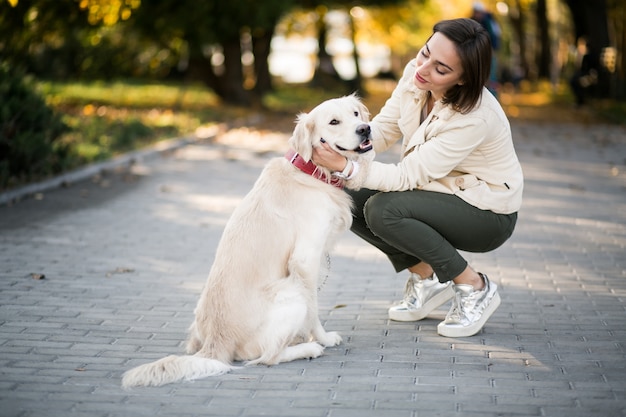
x: 365, y: 146
x: 364, y: 131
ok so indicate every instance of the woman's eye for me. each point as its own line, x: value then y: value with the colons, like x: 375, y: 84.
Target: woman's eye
x: 334, y: 122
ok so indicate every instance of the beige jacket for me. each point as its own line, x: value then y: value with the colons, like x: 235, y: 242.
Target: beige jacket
x: 470, y: 155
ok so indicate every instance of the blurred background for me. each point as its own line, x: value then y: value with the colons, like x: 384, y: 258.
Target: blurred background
x: 83, y: 80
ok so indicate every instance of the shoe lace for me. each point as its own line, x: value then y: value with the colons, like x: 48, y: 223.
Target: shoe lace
x: 410, y: 293
x: 462, y: 306
x: 456, y: 312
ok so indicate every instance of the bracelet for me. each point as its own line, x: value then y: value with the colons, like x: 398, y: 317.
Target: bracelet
x: 355, y: 170
x: 344, y: 174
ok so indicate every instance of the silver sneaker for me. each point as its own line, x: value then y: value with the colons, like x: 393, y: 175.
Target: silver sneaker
x: 421, y: 296
x: 470, y: 309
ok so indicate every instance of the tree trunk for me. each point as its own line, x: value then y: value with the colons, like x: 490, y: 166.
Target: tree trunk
x: 544, y: 57
x: 356, y: 85
x: 518, y: 22
x: 325, y: 73
x: 232, y: 79
x: 261, y: 47
x: 200, y: 69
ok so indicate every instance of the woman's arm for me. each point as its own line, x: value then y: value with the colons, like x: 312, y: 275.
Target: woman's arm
x: 432, y: 160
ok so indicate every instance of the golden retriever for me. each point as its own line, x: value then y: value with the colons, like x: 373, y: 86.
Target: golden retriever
x: 259, y: 304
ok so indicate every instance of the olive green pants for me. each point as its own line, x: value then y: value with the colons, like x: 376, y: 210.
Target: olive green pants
x: 414, y: 226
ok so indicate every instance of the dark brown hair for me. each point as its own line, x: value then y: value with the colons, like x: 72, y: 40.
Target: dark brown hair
x: 474, y: 48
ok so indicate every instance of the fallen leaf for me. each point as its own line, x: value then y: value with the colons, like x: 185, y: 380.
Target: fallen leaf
x: 37, y: 276
x: 120, y: 270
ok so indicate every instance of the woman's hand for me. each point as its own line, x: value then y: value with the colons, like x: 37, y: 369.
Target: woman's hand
x: 326, y: 157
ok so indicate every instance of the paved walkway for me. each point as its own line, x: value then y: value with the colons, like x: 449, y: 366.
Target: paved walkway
x: 104, y: 275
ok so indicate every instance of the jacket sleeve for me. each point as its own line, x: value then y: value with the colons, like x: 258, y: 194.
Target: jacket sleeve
x: 431, y: 160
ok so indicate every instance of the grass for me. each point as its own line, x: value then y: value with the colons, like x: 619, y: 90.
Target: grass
x: 107, y: 119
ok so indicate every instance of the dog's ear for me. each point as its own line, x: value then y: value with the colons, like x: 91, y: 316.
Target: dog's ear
x: 364, y: 112
x: 301, y: 140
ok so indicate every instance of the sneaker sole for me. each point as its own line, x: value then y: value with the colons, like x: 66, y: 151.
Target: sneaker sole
x: 474, y: 328
x: 415, y: 315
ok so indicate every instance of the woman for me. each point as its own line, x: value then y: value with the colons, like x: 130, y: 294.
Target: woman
x: 457, y: 187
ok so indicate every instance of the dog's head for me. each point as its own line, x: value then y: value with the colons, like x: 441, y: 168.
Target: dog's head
x: 340, y: 122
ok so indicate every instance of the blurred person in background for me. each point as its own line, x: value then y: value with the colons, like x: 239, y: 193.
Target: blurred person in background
x: 488, y: 21
x: 586, y: 73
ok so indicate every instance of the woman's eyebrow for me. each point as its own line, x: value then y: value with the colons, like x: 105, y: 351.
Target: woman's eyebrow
x: 439, y: 62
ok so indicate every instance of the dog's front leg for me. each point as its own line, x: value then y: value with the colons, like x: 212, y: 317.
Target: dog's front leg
x: 318, y: 332
x: 307, y: 272
x: 305, y: 263
x: 325, y: 338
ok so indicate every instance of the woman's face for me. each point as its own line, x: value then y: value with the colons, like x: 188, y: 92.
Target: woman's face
x: 438, y: 66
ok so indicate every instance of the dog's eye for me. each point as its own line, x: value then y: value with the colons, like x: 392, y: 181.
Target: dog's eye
x: 356, y: 113
x: 334, y: 122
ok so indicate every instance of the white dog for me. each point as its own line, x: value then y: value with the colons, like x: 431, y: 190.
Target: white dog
x: 259, y: 304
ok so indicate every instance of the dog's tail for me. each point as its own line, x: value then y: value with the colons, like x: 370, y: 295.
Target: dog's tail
x: 174, y: 368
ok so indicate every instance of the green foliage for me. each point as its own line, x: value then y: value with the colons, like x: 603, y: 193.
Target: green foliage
x: 286, y: 99
x: 29, y: 132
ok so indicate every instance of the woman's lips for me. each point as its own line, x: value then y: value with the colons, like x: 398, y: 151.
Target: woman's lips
x: 420, y: 79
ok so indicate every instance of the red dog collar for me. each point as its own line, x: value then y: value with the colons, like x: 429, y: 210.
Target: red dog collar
x: 311, y: 169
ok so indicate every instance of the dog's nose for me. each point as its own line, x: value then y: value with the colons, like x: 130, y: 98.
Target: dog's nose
x: 363, y: 131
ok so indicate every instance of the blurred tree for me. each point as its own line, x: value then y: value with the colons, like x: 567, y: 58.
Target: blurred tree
x: 543, y: 53
x: 108, y: 12
x: 591, y: 22
x: 81, y: 37
x: 54, y: 39
x: 216, y: 35
x: 33, y: 35
x: 616, y: 62
x: 325, y: 72
x: 517, y: 17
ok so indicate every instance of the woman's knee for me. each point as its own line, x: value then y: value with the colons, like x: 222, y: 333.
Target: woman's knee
x: 359, y: 198
x: 375, y: 211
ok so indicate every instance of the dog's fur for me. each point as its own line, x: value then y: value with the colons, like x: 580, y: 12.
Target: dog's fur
x: 259, y: 304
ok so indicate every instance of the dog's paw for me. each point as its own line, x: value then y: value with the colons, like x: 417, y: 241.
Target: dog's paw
x: 330, y: 339
x: 315, y: 350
